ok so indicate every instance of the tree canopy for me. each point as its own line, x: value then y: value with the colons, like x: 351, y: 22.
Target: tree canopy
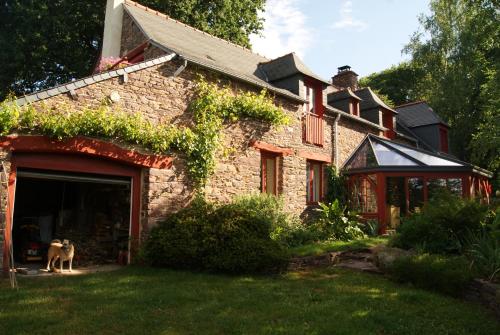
x: 455, y: 66
x: 48, y: 42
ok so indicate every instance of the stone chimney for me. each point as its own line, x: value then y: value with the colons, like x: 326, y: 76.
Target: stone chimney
x: 346, y: 78
x: 111, y: 41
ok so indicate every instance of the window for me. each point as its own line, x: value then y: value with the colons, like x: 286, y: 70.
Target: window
x: 354, y: 107
x: 269, y: 173
x: 415, y: 194
x: 311, y: 100
x: 313, y: 131
x: 314, y: 182
x: 363, y: 194
x: 388, y: 122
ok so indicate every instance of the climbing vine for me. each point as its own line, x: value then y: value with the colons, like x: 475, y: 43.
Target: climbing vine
x: 212, y: 107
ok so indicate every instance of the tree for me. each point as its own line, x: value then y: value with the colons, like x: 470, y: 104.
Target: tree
x: 48, y: 42
x: 455, y: 60
x: 44, y: 43
x: 399, y: 83
x: 227, y: 19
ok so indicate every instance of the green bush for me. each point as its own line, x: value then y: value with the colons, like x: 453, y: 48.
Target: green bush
x: 443, y: 225
x: 179, y: 241
x: 448, y: 275
x: 370, y: 228
x: 337, y: 223
x: 483, y: 249
x: 231, y: 238
x: 336, y: 186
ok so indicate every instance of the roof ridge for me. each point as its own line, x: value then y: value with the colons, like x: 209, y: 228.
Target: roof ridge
x: 166, y: 17
x: 282, y: 56
x: 411, y: 103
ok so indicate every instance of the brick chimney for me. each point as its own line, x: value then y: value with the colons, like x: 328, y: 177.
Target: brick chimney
x: 111, y: 41
x: 346, y: 78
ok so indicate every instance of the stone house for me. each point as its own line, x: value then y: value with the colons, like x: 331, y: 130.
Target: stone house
x: 99, y: 191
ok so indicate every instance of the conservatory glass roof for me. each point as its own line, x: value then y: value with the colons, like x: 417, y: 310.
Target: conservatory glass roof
x: 377, y: 152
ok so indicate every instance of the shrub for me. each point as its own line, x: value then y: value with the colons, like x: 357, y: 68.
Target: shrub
x: 370, y: 228
x: 483, y: 249
x: 178, y: 241
x: 442, y: 226
x: 448, y: 275
x: 419, y: 232
x: 232, y: 238
x: 337, y: 223
x: 240, y: 241
x: 336, y: 186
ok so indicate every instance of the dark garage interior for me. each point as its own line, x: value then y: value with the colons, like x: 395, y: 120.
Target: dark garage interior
x: 91, y: 211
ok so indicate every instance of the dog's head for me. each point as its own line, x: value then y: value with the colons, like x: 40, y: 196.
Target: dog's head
x: 66, y: 245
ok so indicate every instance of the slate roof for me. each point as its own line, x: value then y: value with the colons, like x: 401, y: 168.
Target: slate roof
x: 286, y: 66
x: 370, y: 100
x: 330, y: 109
x: 418, y: 114
x: 204, y: 49
x: 341, y: 95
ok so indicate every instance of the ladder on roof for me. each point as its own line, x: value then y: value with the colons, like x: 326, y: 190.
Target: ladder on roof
x: 4, y: 200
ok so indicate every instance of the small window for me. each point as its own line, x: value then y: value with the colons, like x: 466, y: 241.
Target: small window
x: 269, y: 173
x: 354, y: 107
x: 314, y: 182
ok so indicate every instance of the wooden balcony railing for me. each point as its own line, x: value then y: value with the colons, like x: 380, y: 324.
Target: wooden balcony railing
x: 313, y: 129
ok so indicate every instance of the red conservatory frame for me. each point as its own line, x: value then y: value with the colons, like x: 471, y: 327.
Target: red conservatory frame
x: 474, y: 181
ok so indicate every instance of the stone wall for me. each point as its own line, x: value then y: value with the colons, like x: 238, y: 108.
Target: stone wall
x: 162, y: 98
x: 132, y: 36
x: 350, y: 135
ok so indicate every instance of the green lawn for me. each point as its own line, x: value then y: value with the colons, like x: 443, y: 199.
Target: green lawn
x: 138, y: 300
x: 323, y: 247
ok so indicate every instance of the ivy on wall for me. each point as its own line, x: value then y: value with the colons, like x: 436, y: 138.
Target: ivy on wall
x: 212, y: 107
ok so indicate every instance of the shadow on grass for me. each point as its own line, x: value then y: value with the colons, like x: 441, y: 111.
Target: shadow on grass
x: 157, y: 301
x: 319, y: 248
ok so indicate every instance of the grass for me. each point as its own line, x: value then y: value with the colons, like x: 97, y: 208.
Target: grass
x: 138, y: 300
x: 319, y: 248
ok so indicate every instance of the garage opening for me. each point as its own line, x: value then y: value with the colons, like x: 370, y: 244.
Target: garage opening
x: 92, y: 211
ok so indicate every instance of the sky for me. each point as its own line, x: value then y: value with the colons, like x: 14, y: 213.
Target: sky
x: 368, y: 35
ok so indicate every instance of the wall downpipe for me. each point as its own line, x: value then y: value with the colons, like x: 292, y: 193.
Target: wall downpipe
x: 336, y: 128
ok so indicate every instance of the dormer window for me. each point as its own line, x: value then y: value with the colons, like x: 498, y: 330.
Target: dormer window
x: 311, y: 100
x: 354, y: 107
x: 313, y: 132
x: 388, y: 122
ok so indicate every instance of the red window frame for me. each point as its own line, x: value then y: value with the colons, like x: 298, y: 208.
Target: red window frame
x: 310, y: 182
x: 263, y: 171
x: 388, y: 122
x: 354, y: 107
x: 312, y: 130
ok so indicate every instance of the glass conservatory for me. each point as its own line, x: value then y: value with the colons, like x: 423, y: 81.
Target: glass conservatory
x: 388, y: 180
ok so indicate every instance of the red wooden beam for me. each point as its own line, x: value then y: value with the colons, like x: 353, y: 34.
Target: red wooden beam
x: 315, y: 156
x: 83, y: 145
x: 72, y: 162
x: 271, y: 148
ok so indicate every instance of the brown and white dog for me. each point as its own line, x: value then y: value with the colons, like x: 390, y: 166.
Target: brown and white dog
x: 63, y: 251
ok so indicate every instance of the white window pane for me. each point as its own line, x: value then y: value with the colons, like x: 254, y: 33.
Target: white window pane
x: 387, y: 156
